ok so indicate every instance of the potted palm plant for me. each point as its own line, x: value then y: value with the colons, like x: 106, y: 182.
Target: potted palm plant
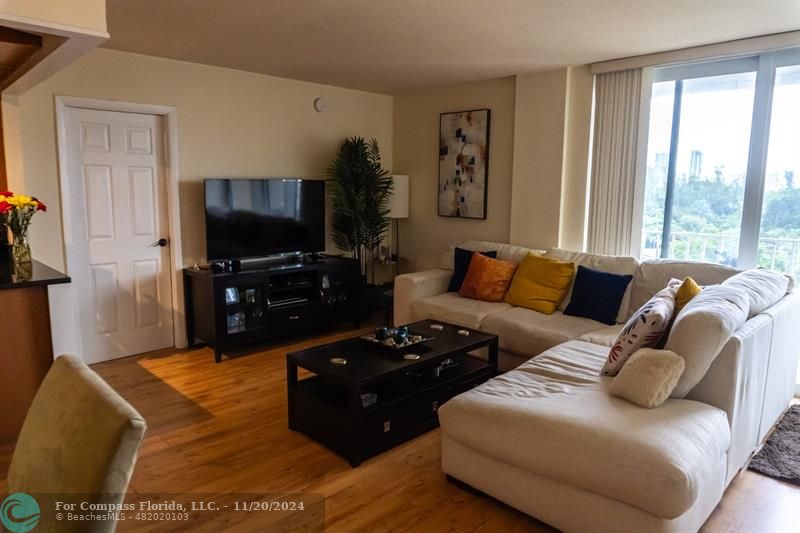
x: 359, y: 189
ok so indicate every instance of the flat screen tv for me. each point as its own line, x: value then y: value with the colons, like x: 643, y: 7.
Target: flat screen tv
x: 249, y: 218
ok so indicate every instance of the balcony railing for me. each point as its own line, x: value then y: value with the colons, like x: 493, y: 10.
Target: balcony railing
x: 780, y: 254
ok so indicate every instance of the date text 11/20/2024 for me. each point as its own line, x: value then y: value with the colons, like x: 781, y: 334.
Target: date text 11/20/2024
x: 149, y: 506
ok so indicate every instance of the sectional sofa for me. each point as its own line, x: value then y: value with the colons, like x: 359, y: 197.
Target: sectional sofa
x: 547, y: 438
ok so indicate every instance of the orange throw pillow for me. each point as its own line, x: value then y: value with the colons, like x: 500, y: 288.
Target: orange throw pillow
x: 487, y: 279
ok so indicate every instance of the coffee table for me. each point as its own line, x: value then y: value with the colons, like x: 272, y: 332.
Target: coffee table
x: 379, y: 399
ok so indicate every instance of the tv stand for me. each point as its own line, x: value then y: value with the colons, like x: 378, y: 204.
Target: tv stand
x: 264, y: 301
x: 314, y: 258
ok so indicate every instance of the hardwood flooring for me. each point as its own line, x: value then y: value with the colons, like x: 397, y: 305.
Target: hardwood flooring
x: 218, y: 428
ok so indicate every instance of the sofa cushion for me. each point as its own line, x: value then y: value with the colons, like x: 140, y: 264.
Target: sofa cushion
x: 505, y: 252
x: 605, y: 263
x: 597, y: 295
x: 702, y: 329
x: 487, y: 279
x: 652, y: 276
x: 605, y: 336
x: 540, y: 283
x: 763, y: 288
x: 450, y: 307
x: 528, y: 332
x: 554, y: 417
x: 461, y: 260
x: 643, y: 330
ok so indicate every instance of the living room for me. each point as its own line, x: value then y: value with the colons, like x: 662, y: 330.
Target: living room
x: 281, y: 310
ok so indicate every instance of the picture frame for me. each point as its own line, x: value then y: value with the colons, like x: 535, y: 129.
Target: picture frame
x: 462, y: 188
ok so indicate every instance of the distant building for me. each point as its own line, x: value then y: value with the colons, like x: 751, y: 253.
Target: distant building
x: 696, y: 165
x: 662, y: 160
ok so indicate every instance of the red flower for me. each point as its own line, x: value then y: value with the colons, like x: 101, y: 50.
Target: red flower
x: 40, y: 205
x: 6, y: 193
x: 5, y: 207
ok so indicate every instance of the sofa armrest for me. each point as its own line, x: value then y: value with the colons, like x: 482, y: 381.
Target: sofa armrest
x: 752, y: 378
x: 417, y: 285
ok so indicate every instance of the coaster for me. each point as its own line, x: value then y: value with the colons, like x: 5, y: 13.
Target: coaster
x: 338, y: 361
x: 411, y: 356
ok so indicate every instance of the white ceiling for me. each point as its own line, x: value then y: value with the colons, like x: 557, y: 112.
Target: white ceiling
x: 394, y: 45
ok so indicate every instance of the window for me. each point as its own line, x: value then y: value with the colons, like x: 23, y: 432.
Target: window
x: 723, y: 163
x: 779, y: 239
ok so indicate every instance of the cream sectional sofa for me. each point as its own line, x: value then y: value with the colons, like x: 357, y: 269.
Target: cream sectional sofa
x: 547, y: 438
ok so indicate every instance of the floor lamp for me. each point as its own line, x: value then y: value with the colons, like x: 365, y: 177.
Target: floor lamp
x: 398, y: 208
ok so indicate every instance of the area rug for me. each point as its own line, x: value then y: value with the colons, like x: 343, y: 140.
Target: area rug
x: 780, y: 456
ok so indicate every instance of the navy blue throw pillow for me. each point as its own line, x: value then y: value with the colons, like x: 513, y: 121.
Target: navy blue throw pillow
x: 597, y: 295
x: 461, y: 259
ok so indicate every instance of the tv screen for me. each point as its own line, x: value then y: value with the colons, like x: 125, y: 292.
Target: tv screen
x: 248, y: 218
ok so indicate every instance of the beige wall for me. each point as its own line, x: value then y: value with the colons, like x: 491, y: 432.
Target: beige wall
x: 552, y: 129
x: 538, y: 158
x: 577, y: 139
x: 86, y: 14
x: 231, y: 123
x: 425, y: 235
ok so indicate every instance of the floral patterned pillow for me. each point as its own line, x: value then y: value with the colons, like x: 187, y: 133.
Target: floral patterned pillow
x: 644, y: 329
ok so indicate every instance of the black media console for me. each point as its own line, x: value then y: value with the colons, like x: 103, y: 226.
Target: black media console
x: 233, y: 310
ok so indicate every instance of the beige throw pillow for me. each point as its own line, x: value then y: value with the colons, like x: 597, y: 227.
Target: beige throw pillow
x: 648, y: 377
x: 701, y: 330
x: 763, y: 288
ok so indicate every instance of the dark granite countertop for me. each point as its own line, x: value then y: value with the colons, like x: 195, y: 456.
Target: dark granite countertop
x: 42, y: 275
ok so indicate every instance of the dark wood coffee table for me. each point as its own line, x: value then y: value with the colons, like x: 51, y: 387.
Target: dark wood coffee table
x: 333, y: 406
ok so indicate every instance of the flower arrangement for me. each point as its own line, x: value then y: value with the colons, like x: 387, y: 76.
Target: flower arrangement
x: 16, y: 212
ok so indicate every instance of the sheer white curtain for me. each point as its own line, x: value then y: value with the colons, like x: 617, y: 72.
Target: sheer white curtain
x: 612, y: 201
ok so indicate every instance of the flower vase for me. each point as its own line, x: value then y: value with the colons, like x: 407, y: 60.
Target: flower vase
x: 5, y: 247
x: 21, y: 257
x: 6, y: 261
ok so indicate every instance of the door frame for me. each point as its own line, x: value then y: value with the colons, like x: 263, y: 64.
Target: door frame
x: 66, y: 328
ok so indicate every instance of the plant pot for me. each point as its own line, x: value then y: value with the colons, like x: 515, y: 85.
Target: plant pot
x: 368, y: 296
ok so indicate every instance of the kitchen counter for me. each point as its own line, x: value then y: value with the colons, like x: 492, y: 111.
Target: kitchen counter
x: 26, y: 352
x: 42, y: 275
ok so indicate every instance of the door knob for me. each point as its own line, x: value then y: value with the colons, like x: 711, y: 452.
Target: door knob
x: 160, y: 242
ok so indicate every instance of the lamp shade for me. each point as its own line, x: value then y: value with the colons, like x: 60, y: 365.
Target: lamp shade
x: 398, y: 201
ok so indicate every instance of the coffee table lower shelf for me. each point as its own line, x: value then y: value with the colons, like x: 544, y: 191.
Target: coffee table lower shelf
x: 331, y: 412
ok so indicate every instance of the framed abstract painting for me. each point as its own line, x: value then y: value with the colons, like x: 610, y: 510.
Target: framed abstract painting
x: 463, y: 163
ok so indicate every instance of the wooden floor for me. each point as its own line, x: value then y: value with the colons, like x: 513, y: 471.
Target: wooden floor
x: 216, y: 428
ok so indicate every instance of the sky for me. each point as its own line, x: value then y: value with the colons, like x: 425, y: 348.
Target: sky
x: 716, y: 117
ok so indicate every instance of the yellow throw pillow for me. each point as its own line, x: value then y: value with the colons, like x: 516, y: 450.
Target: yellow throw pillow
x: 540, y: 283
x: 688, y: 290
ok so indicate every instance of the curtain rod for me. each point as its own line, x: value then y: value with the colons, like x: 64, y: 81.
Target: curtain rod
x: 739, y: 47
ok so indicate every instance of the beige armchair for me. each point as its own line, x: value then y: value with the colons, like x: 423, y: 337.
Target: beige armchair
x: 79, y: 438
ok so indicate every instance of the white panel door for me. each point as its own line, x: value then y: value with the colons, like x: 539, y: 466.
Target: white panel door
x: 117, y: 179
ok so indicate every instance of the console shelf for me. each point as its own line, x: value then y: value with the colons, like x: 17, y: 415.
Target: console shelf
x: 233, y: 310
